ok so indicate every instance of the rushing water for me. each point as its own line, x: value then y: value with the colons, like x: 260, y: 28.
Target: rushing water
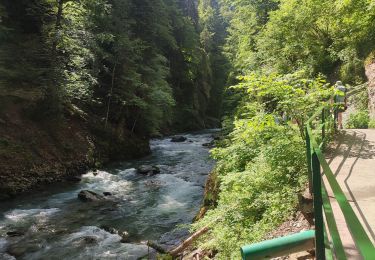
x: 54, y: 224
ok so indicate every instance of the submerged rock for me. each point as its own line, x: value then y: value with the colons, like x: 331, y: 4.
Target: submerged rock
x: 148, y: 169
x: 178, y: 139
x: 154, y: 184
x: 20, y: 249
x: 111, y: 230
x: 89, y: 196
x: 74, y: 178
x: 86, y: 240
x: 15, y: 233
x: 90, y: 240
x: 4, y: 256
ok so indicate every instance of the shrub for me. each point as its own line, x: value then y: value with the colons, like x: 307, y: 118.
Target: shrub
x: 358, y: 120
x: 261, y: 167
x: 371, y: 124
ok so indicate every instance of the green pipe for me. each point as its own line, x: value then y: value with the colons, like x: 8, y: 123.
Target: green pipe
x: 279, y: 246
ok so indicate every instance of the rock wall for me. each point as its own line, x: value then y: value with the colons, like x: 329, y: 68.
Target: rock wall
x: 370, y: 73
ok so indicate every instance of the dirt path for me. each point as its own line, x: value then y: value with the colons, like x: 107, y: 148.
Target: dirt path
x: 352, y: 160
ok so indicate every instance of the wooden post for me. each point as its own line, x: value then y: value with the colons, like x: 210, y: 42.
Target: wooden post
x: 318, y: 208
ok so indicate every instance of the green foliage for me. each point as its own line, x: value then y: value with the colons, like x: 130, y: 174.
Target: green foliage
x: 262, y: 165
x: 358, y: 120
x: 317, y: 36
x: 138, y: 65
x: 360, y: 98
x: 371, y: 124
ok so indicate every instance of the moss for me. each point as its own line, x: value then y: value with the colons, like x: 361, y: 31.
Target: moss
x: 211, y: 195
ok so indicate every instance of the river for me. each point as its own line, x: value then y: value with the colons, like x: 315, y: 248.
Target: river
x: 54, y: 224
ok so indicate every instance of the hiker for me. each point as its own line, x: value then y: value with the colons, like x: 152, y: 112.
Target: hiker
x: 340, y: 102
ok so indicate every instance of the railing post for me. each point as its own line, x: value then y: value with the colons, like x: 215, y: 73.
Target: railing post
x: 308, y: 156
x: 323, y: 128
x: 318, y: 208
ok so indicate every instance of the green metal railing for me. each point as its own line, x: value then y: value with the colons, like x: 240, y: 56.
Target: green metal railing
x: 327, y: 239
x: 319, y: 129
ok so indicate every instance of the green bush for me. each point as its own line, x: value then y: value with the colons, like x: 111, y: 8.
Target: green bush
x: 371, y: 124
x: 262, y: 164
x: 358, y: 120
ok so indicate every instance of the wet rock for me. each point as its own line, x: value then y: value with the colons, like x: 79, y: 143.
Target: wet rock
x: 209, y: 145
x: 15, y: 233
x: 90, y: 240
x: 125, y: 237
x: 178, y: 139
x: 74, y: 178
x: 106, y: 193
x: 6, y: 257
x: 154, y: 184
x: 18, y: 250
x: 110, y: 230
x: 148, y: 169
x: 89, y: 196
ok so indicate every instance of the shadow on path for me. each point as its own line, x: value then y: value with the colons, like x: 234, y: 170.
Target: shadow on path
x: 352, y: 144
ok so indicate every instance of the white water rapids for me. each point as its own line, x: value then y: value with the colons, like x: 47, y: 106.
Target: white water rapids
x: 54, y: 224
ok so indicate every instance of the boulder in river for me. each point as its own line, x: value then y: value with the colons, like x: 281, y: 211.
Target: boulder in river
x: 178, y: 139
x: 15, y: 233
x: 125, y: 238
x: 106, y: 193
x: 110, y: 230
x: 90, y: 196
x: 148, y: 169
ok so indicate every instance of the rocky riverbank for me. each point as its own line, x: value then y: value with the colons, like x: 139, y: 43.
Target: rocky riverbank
x: 38, y: 151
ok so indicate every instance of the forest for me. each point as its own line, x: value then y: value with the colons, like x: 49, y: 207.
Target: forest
x: 118, y: 72
x: 85, y: 83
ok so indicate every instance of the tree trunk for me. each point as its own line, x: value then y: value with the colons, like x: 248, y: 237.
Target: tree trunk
x: 110, y: 94
x: 58, y: 24
x: 188, y: 242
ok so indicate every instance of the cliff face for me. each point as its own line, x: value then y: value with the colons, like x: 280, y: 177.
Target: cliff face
x: 370, y: 73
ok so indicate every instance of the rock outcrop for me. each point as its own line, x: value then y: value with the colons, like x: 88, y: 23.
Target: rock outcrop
x: 370, y: 73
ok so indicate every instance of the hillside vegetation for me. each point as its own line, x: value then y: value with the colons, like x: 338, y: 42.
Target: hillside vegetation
x: 285, y: 56
x: 86, y: 82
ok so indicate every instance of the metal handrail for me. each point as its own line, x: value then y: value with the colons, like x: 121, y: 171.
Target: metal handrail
x: 328, y: 243
x: 316, y: 162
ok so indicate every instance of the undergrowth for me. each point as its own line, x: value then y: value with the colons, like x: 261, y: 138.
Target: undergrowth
x: 261, y: 166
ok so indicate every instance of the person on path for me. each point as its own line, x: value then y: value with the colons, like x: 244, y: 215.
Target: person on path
x: 340, y: 102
